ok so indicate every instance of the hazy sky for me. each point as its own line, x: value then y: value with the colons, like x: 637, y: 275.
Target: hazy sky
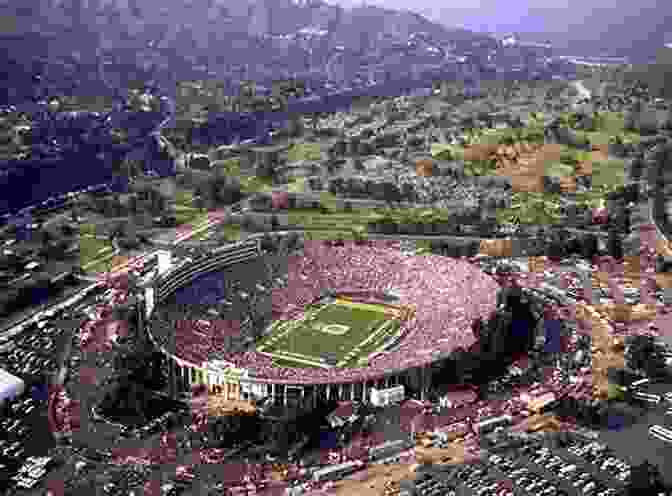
x: 524, y: 15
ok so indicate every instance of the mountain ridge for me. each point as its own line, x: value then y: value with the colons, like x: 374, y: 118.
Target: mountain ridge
x: 204, y: 24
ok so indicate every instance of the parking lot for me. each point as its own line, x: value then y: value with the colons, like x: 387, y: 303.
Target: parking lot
x: 539, y: 467
x: 32, y: 352
x: 546, y: 471
x: 634, y: 443
x: 24, y: 432
x: 33, y: 355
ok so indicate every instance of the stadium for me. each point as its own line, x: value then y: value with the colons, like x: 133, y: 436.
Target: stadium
x: 310, y: 319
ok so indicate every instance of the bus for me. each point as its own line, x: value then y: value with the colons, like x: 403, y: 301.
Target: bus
x: 661, y: 433
x: 492, y: 423
x: 649, y: 398
x: 389, y: 449
x: 335, y: 472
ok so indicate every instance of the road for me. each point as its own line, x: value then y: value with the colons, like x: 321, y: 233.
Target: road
x: 32, y: 316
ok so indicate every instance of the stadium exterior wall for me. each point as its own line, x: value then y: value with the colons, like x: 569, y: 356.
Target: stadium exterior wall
x: 240, y: 383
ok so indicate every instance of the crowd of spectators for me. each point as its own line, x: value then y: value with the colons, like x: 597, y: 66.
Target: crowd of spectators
x: 223, y: 311
x: 434, y: 285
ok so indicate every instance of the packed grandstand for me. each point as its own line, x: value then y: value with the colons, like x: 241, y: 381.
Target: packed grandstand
x: 230, y: 312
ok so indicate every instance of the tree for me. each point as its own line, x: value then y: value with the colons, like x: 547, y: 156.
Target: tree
x: 615, y: 245
x: 292, y: 241
x: 333, y: 187
x: 407, y: 192
x: 642, y: 353
x: 645, y: 478
x: 75, y: 213
x: 227, y: 190
x: 199, y: 203
x: 667, y: 125
x: 247, y: 222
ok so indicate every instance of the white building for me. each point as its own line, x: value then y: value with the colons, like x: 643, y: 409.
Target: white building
x: 10, y: 386
x: 510, y: 40
x: 149, y: 300
x: 385, y: 397
x: 164, y: 261
x: 230, y: 380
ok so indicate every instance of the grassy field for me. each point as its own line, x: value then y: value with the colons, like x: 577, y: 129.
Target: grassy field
x: 297, y: 185
x: 87, y: 229
x: 190, y: 216
x: 248, y: 184
x: 324, y: 235
x: 608, y: 174
x: 314, y: 220
x: 391, y: 327
x: 304, y: 151
x: 531, y: 208
x: 102, y: 265
x: 558, y: 169
x: 442, y: 151
x: 184, y: 198
x: 254, y: 184
x: 231, y: 231
x: 279, y: 362
x: 91, y: 248
x: 304, y: 342
x: 611, y: 124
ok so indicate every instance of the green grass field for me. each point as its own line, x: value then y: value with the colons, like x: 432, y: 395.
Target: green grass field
x: 338, y: 221
x: 304, y: 151
x: 92, y: 249
x: 558, y: 169
x: 184, y: 198
x: 609, y: 174
x: 302, y: 343
x: 442, y: 151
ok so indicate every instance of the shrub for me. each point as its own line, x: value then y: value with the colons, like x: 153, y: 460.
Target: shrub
x: 569, y: 157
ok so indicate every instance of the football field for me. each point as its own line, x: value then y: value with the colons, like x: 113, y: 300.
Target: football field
x: 345, y: 330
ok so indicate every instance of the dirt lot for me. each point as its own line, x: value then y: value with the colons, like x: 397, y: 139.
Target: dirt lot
x: 632, y: 273
x: 599, y: 153
x: 663, y: 248
x: 376, y: 478
x: 527, y: 171
x: 454, y: 454
x: 621, y: 312
x: 219, y: 406
x: 664, y: 280
x: 539, y: 423
x: 526, y: 163
x: 607, y: 352
x: 496, y: 247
